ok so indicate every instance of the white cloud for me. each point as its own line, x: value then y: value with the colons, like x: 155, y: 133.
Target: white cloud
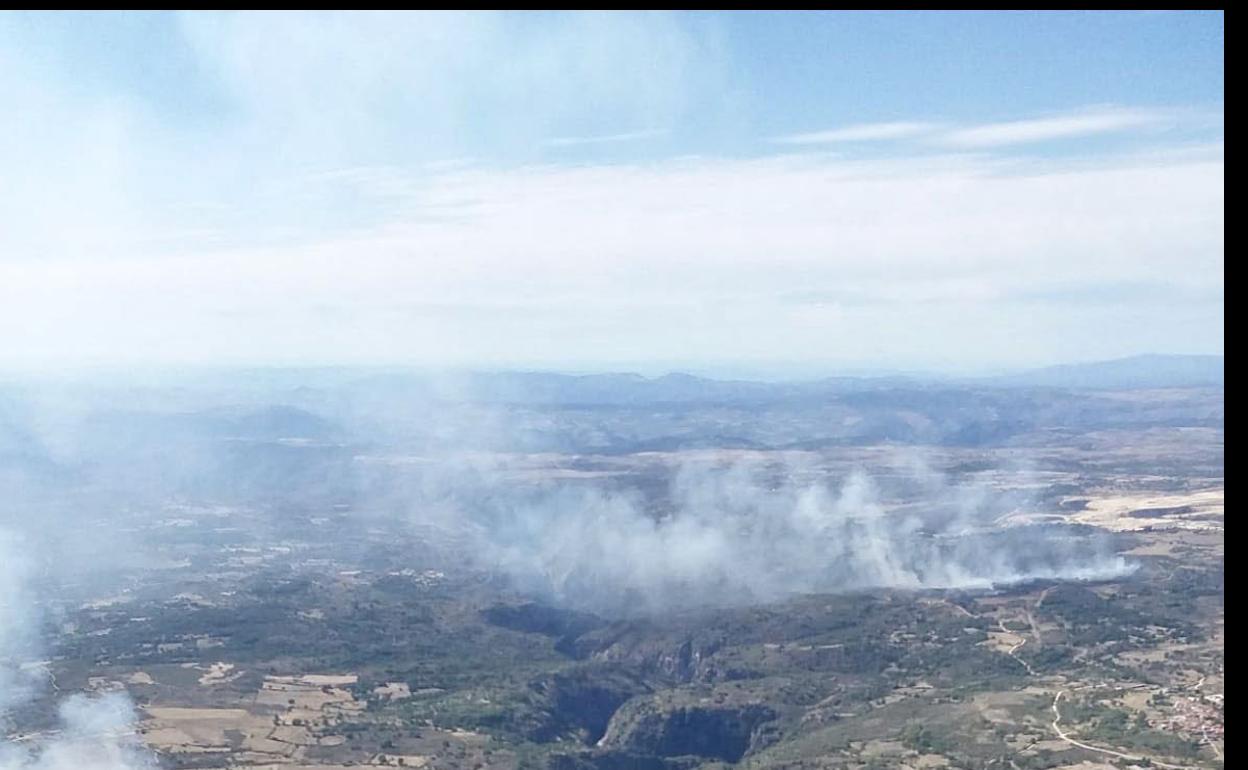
x: 1109, y: 120
x: 1085, y: 122
x: 630, y: 136
x: 696, y: 260
x: 422, y: 82
x: 863, y: 132
x: 292, y: 232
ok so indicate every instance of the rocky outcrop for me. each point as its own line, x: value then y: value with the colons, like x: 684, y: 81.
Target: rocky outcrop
x: 662, y: 728
x: 583, y: 700
x: 677, y: 660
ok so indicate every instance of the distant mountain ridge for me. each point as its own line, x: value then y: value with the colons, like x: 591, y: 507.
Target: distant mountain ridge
x: 308, y: 434
x: 1136, y: 372
x: 1145, y: 371
x: 263, y: 388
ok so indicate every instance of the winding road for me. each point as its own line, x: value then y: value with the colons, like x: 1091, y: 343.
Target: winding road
x: 1015, y: 648
x: 1057, y: 714
x: 1057, y: 728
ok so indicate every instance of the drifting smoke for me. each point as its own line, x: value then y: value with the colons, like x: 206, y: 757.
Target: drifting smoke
x: 95, y: 732
x: 731, y: 536
x: 17, y: 625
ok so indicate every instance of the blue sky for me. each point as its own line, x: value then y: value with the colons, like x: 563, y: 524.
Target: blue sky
x: 951, y: 191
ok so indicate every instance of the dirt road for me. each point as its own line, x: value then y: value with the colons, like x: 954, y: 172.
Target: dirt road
x: 1057, y: 728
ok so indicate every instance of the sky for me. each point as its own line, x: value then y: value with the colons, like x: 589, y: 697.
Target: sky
x: 816, y: 192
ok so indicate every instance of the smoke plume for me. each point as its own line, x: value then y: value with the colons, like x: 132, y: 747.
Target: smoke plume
x: 739, y: 534
x: 95, y: 732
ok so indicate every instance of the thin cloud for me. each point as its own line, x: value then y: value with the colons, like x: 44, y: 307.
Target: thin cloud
x: 1070, y: 125
x: 132, y: 233
x: 862, y: 132
x: 1081, y: 124
x: 657, y: 260
x: 631, y: 136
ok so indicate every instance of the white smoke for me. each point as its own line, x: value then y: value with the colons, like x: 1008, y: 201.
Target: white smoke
x: 736, y: 535
x: 95, y: 733
x: 18, y: 630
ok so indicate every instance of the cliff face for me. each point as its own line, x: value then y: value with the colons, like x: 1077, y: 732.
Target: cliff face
x: 582, y: 701
x: 674, y: 660
x: 658, y: 727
